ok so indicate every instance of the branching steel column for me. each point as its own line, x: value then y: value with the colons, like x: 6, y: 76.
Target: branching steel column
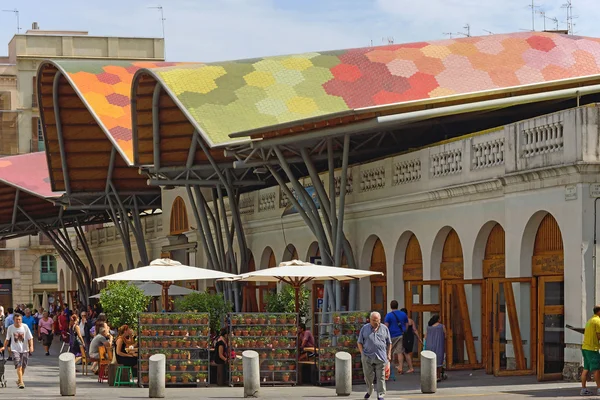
x: 59, y: 134
x: 228, y: 235
x: 312, y: 211
x: 344, y: 177
x: 85, y: 245
x: 200, y: 228
x: 15, y: 210
x: 207, y: 231
x: 142, y: 243
x: 218, y: 230
x: 124, y: 236
x: 331, y: 165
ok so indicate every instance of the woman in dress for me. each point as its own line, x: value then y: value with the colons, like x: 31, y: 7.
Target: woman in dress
x: 436, y: 339
x: 76, y: 339
x: 221, y: 356
x: 123, y: 342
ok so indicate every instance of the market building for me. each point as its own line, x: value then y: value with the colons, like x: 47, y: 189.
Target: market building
x: 466, y: 170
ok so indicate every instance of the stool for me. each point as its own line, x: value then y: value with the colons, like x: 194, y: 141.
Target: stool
x: 119, y: 376
x: 102, y: 373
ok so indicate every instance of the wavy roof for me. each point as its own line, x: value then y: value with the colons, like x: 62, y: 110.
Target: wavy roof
x: 235, y: 97
x: 28, y: 172
x: 105, y: 88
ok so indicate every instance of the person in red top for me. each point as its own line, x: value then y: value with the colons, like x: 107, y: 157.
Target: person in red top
x: 306, y: 340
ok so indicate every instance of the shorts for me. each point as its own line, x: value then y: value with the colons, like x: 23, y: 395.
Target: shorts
x: 397, y: 345
x: 47, y: 339
x: 591, y: 360
x: 21, y: 359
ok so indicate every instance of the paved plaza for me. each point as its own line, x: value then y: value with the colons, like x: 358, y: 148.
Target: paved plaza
x: 41, y: 382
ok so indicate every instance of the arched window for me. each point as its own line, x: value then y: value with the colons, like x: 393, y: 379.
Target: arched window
x: 179, y: 219
x: 48, y: 269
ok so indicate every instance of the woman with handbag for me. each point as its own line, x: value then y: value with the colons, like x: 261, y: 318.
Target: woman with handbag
x: 46, y: 329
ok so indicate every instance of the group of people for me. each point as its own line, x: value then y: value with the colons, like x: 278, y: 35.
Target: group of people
x: 379, y: 343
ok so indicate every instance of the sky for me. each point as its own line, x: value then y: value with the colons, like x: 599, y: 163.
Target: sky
x: 216, y: 30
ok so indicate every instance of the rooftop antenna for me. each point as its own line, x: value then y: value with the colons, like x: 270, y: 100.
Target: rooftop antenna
x: 467, y: 28
x: 162, y: 22
x: 389, y: 40
x: 533, y: 8
x: 569, y: 7
x: 17, y: 15
x: 449, y: 34
x: 488, y: 32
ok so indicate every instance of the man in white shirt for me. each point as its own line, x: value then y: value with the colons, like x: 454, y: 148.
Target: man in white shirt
x: 21, y: 346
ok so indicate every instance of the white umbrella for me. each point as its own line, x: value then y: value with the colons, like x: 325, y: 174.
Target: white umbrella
x: 45, y: 301
x: 297, y: 273
x: 154, y: 290
x: 36, y: 302
x: 165, y: 271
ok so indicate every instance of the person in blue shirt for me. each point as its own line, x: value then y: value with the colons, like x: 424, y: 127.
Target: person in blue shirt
x: 397, y: 322
x: 29, y: 320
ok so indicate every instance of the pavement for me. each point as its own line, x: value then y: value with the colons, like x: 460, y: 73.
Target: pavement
x: 41, y: 380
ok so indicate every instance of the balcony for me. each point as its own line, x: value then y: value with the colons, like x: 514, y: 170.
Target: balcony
x: 48, y: 277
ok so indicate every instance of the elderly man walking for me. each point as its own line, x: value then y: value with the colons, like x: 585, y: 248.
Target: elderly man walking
x: 375, y: 346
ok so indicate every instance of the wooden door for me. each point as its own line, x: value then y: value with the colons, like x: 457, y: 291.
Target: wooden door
x: 551, y: 327
x: 422, y: 300
x: 464, y: 318
x: 512, y: 320
x: 379, y: 282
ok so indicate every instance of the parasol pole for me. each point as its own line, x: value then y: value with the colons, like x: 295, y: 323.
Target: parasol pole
x: 165, y: 294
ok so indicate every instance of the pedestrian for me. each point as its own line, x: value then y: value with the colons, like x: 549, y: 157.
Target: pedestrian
x: 21, y: 345
x: 85, y: 325
x: 76, y: 344
x: 375, y: 346
x: 589, y: 351
x: 396, y: 321
x: 436, y: 339
x: 103, y: 338
x: 408, y: 343
x: 8, y: 321
x: 46, y: 331
x: 29, y: 320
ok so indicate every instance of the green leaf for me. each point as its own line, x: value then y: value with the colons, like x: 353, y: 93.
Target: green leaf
x: 122, y: 302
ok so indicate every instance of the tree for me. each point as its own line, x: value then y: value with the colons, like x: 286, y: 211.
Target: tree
x: 122, y: 302
x: 285, y: 301
x: 214, y: 304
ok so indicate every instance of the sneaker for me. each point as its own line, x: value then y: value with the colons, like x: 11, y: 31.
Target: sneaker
x: 586, y: 392
x: 380, y: 398
x: 47, y: 353
x: 21, y: 385
x: 367, y: 396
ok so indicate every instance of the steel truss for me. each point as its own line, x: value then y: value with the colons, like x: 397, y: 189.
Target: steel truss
x: 217, y: 216
x: 58, y: 229
x: 291, y: 161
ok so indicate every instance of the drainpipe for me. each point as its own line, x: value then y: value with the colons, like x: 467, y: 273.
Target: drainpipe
x: 594, y: 251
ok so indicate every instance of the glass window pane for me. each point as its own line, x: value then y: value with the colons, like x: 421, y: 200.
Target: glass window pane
x: 554, y: 340
x: 555, y: 294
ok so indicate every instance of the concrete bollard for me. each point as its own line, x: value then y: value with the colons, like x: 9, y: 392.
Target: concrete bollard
x: 343, y: 373
x: 251, y: 371
x: 156, y: 376
x: 428, y: 372
x: 66, y: 373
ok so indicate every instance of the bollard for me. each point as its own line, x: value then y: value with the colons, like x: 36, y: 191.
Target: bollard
x: 428, y: 372
x: 66, y: 373
x: 343, y: 373
x: 156, y: 376
x: 251, y: 373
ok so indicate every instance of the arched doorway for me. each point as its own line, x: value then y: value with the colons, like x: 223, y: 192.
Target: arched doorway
x: 452, y: 266
x: 548, y: 266
x: 120, y: 268
x: 412, y: 275
x: 378, y: 282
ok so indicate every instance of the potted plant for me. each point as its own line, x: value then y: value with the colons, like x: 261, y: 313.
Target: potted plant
x: 336, y: 318
x: 144, y: 365
x: 182, y: 367
x: 172, y: 367
x: 291, y: 319
x: 286, y: 376
x: 193, y: 331
x: 145, y: 379
x: 248, y: 319
x: 272, y: 319
x: 204, y: 319
x: 270, y: 365
x: 262, y: 319
x: 201, y: 377
x: 282, y: 319
x: 186, y: 378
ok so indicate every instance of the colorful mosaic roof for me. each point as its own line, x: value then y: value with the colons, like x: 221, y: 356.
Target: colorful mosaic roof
x: 106, y: 88
x: 28, y: 172
x: 239, y: 96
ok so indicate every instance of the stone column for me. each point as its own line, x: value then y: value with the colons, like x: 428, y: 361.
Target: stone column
x: 251, y: 371
x: 343, y: 373
x: 428, y: 372
x: 66, y: 373
x: 156, y: 376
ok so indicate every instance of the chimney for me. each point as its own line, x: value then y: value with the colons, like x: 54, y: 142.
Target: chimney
x: 35, y: 26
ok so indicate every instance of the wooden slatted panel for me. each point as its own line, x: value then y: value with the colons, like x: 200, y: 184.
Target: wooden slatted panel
x: 494, y: 259
x: 466, y: 324
x: 452, y: 258
x: 548, y: 253
x: 413, y: 261
x: 378, y: 262
x: 179, y: 220
x: 272, y: 261
x: 513, y: 321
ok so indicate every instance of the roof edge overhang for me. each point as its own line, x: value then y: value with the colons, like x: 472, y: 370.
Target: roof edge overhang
x: 351, y: 117
x: 386, y: 121
x: 64, y: 73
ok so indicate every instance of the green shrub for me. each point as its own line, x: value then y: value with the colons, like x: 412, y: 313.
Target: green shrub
x: 285, y: 301
x: 205, y: 302
x: 122, y: 302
